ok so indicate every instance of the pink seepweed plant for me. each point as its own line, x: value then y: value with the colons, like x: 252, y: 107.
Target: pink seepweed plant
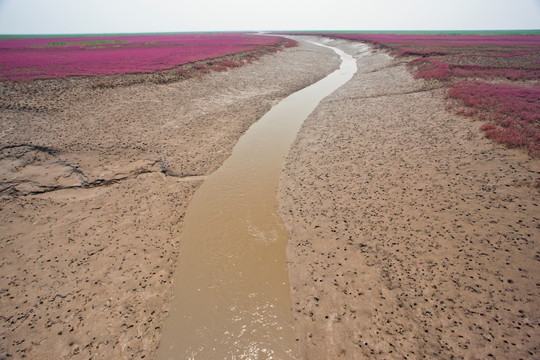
x: 26, y: 59
x: 495, y: 78
x: 511, y: 112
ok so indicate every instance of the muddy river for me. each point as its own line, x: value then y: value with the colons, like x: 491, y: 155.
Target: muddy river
x: 231, y: 297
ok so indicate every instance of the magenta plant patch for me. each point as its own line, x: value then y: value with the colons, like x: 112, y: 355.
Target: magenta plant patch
x: 45, y: 58
x: 466, y: 63
x: 428, y: 45
x: 432, y: 68
x: 512, y: 112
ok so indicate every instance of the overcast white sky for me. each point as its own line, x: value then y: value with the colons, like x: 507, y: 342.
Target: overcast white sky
x: 121, y: 16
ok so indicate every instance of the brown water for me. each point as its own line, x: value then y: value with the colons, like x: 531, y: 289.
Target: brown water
x: 231, y: 297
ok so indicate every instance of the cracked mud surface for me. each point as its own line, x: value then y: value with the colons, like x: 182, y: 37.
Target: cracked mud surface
x: 94, y: 183
x: 412, y: 236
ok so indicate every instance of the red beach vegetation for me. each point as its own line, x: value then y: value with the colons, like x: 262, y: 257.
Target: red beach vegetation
x: 492, y: 78
x: 31, y: 58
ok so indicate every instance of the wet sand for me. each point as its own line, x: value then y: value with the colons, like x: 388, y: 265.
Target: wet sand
x: 412, y: 236
x: 95, y: 181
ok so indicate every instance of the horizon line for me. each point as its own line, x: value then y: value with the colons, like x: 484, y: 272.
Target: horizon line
x: 271, y: 31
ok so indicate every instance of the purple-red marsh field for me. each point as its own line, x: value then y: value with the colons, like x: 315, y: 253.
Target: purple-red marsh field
x: 31, y: 58
x: 492, y: 78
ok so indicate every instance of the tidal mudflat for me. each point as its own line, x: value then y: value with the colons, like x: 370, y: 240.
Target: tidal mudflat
x: 411, y: 234
x: 96, y: 175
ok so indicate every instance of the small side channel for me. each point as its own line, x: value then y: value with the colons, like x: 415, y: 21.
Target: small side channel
x: 231, y: 298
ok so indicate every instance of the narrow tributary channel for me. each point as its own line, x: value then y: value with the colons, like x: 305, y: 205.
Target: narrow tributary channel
x: 231, y: 291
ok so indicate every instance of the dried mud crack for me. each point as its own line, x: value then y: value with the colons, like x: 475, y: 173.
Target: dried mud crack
x: 15, y: 162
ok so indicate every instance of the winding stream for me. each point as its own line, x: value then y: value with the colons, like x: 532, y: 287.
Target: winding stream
x: 231, y: 297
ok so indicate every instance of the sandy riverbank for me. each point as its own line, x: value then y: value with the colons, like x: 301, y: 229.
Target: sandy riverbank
x: 412, y: 236
x: 95, y: 182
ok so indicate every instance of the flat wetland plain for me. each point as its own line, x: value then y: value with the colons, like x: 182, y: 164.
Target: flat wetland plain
x: 412, y: 207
